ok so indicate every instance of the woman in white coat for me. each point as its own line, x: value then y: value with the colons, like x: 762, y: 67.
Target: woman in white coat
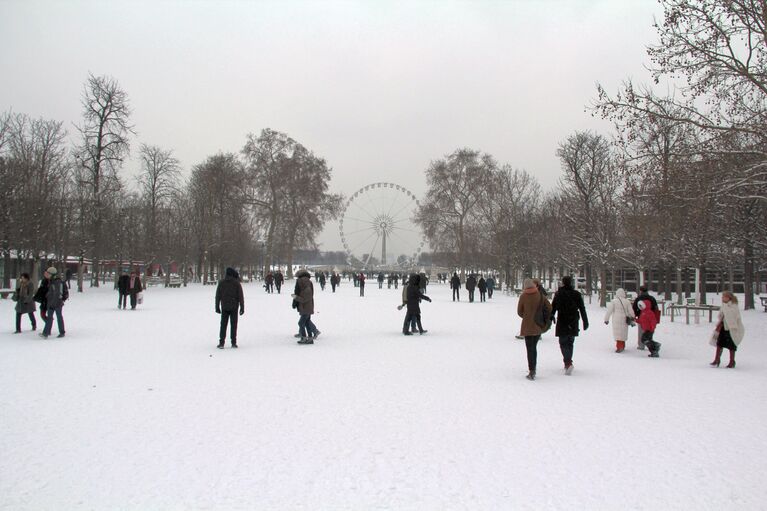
x: 619, y: 309
x: 729, y: 332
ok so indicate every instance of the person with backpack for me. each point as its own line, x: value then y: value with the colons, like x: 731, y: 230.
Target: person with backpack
x: 568, y: 308
x: 531, y: 303
x: 229, y: 299
x: 55, y: 297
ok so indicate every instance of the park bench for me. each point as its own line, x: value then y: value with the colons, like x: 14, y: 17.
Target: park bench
x: 154, y: 281
x: 4, y: 293
x: 174, y: 282
x: 764, y: 302
x: 211, y: 283
x: 687, y: 308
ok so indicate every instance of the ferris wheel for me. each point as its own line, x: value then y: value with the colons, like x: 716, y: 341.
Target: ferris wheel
x: 378, y: 220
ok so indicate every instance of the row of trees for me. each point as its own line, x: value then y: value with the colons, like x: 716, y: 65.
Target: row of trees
x: 681, y: 183
x: 59, y: 199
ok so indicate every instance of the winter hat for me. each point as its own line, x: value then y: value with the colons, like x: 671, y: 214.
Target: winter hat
x: 231, y: 273
x: 52, y: 270
x: 528, y: 283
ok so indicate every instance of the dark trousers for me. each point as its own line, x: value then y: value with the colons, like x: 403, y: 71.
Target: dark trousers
x: 226, y: 317
x: 133, y: 300
x: 122, y: 299
x: 648, y: 341
x: 531, y: 343
x: 456, y: 295
x: 362, y: 289
x: 471, y: 295
x: 31, y: 318
x: 482, y: 296
x: 566, y: 345
x: 49, y: 321
x: 489, y: 293
x: 333, y: 286
x: 278, y: 285
x: 306, y: 328
x: 412, y: 320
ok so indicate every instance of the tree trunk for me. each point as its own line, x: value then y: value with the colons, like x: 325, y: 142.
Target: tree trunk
x: 748, y: 275
x: 603, y: 287
x: 667, y: 287
x: 703, y: 282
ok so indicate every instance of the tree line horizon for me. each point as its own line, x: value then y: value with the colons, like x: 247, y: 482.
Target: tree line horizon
x: 680, y: 182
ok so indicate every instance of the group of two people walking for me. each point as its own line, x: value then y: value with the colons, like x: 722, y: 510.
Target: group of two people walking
x: 51, y: 295
x: 537, y: 314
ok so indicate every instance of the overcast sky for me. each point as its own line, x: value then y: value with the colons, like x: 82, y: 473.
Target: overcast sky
x: 377, y: 88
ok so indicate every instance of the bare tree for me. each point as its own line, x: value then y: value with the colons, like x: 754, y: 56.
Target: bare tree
x: 448, y: 213
x: 158, y: 182
x: 105, y: 131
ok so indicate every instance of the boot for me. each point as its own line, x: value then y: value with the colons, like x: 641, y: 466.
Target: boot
x: 530, y: 376
x: 717, y: 357
x: 731, y: 365
x: 620, y: 346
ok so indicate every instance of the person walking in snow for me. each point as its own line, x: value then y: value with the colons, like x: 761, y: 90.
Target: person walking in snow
x: 55, y: 296
x: 380, y: 280
x: 334, y: 281
x: 24, y: 296
x: 122, y: 289
x: 455, y: 285
x: 414, y: 297
x: 643, y: 295
x: 269, y: 282
x: 413, y: 324
x: 278, y: 280
x: 134, y: 288
x: 527, y: 307
x: 648, y: 319
x: 622, y: 313
x: 361, y: 280
x: 229, y: 300
x: 729, y: 330
x: 490, y: 283
x: 322, y: 280
x: 40, y: 294
x: 305, y: 298
x: 471, y: 284
x: 482, y: 286
x: 568, y: 308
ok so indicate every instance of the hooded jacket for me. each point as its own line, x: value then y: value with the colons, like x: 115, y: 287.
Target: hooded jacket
x: 229, y: 295
x: 305, y: 294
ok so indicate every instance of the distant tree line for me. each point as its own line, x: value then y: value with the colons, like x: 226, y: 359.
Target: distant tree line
x: 681, y: 182
x: 59, y: 199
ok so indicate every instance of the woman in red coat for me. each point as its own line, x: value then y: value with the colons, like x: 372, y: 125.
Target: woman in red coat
x: 648, y: 319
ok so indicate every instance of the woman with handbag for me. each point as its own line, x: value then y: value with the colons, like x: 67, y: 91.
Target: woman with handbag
x: 622, y: 314
x: 729, y: 331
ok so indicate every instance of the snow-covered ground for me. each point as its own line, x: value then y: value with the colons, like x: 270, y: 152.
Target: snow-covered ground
x: 137, y: 410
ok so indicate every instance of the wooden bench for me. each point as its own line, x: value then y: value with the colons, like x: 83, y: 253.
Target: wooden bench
x: 688, y: 308
x: 174, y: 283
x: 762, y: 298
x: 211, y: 283
x: 4, y: 293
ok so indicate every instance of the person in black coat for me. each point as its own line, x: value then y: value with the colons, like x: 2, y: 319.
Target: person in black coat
x: 122, y: 290
x: 40, y: 294
x: 455, y: 285
x: 278, y: 280
x: 482, y: 286
x: 471, y: 285
x: 568, y: 308
x: 229, y: 299
x: 414, y: 297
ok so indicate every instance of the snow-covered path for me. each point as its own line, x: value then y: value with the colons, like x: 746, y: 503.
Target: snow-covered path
x: 137, y: 410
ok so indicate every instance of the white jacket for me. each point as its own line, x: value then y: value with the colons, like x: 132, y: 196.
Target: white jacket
x: 618, y: 309
x: 729, y: 314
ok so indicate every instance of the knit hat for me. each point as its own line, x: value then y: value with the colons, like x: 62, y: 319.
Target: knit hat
x: 52, y: 270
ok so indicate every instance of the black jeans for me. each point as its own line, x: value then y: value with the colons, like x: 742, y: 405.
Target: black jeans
x: 410, y: 318
x: 531, y: 343
x: 482, y: 296
x: 489, y: 293
x: 133, y: 300
x: 31, y: 318
x: 471, y: 295
x: 566, y: 345
x: 122, y: 300
x: 456, y: 295
x: 226, y: 317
